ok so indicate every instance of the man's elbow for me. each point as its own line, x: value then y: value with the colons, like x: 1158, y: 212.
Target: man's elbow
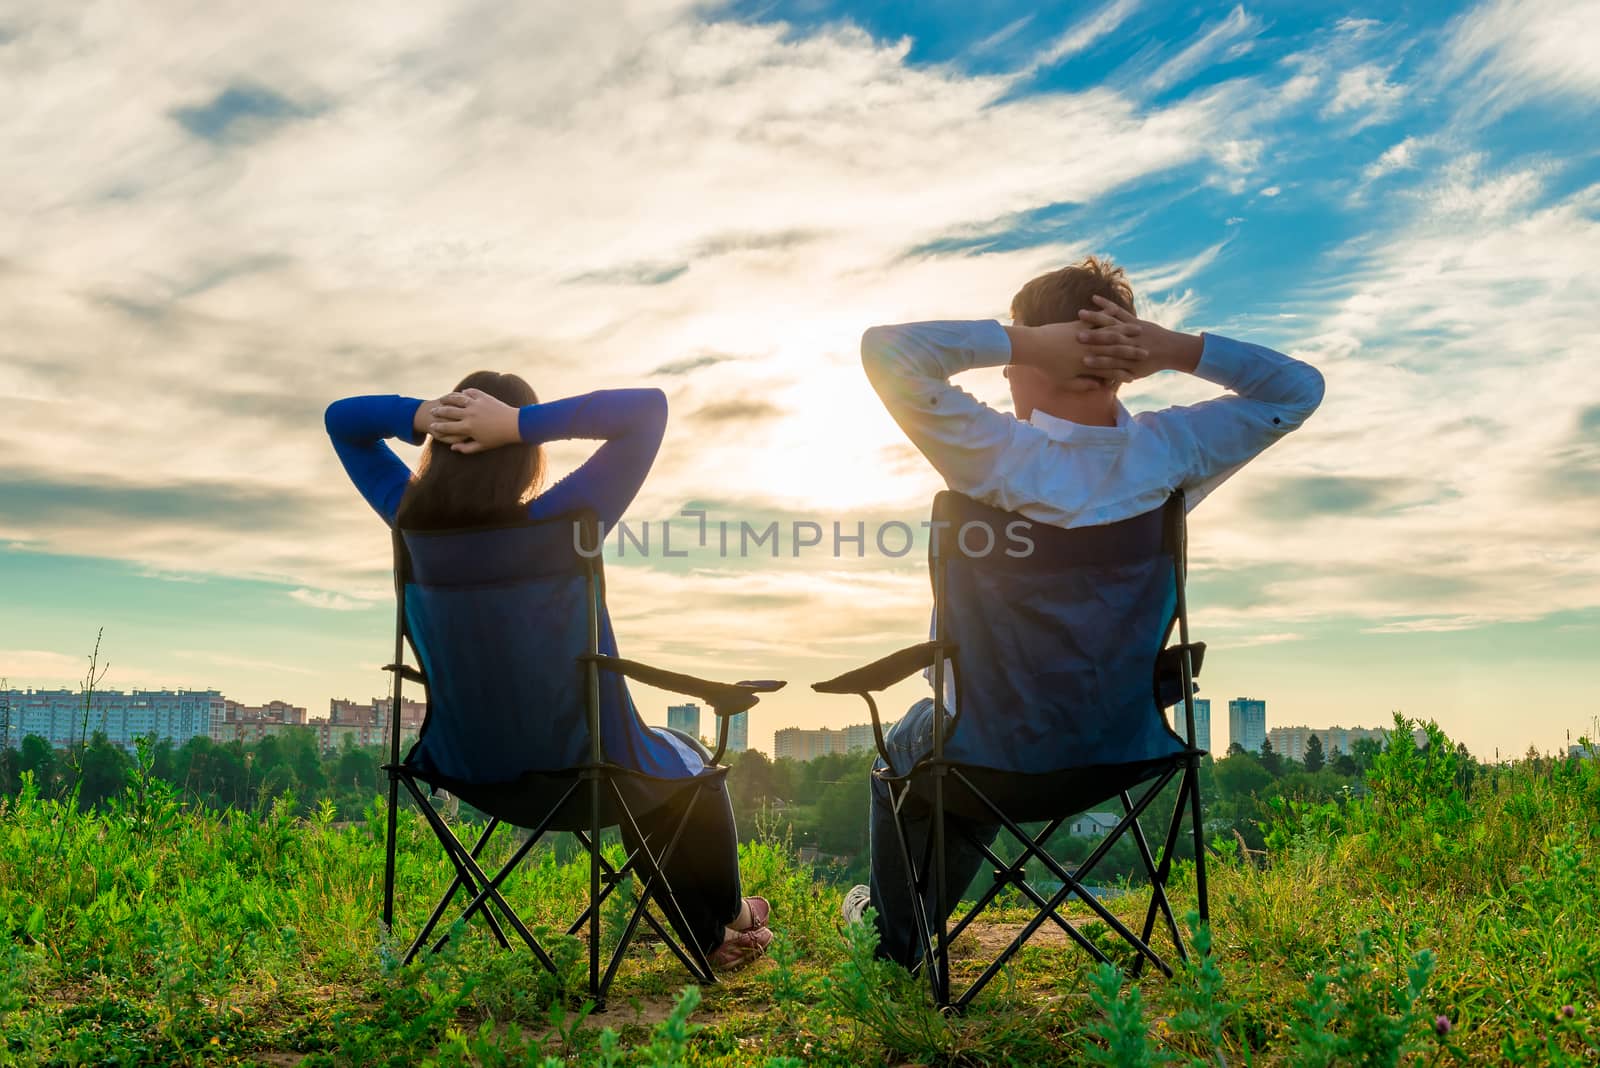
x: 1316, y: 388
x: 877, y: 346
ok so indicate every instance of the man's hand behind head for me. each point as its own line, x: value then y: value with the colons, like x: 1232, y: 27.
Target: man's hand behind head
x: 1115, y: 340
x: 1055, y: 351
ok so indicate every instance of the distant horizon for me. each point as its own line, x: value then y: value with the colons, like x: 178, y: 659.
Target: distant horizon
x: 1218, y: 750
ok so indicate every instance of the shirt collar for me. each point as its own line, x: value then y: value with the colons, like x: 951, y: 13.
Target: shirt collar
x: 1066, y: 430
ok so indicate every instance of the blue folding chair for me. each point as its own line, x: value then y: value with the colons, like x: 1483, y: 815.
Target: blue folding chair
x: 528, y: 721
x: 1052, y: 646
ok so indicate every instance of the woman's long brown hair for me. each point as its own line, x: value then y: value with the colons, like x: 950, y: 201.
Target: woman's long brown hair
x: 453, y: 489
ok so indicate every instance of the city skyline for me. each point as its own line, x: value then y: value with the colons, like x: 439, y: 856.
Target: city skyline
x: 700, y: 198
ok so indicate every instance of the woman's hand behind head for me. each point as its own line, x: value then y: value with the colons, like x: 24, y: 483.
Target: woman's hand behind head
x: 472, y: 421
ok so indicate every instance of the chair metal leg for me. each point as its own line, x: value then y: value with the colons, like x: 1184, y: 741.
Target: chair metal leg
x: 913, y: 882
x: 1198, y: 828
x: 656, y: 874
x: 594, y: 890
x: 1158, y: 878
x: 468, y: 865
x: 701, y: 968
x: 453, y: 850
x: 941, y: 906
x: 449, y: 895
x: 1158, y: 892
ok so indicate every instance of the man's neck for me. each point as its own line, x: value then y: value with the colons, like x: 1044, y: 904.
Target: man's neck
x: 1098, y: 408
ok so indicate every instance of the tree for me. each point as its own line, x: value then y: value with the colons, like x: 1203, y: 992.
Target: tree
x: 1364, y: 751
x: 1241, y: 775
x: 39, y: 758
x: 1270, y: 758
x: 1235, y: 749
x: 1314, y: 757
x: 750, y: 780
x: 102, y: 771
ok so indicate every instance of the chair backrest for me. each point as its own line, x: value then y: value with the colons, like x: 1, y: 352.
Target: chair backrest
x: 498, y: 618
x: 1058, y: 633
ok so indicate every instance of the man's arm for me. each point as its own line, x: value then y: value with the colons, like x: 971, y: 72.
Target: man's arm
x: 910, y: 366
x: 1272, y: 394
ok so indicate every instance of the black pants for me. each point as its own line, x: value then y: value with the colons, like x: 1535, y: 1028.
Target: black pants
x: 703, y: 870
x: 908, y: 741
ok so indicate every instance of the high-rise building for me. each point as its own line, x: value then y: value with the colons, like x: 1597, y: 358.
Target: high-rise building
x: 1202, y: 722
x: 1292, y: 741
x: 793, y: 743
x: 1247, y: 723
x: 61, y: 718
x: 739, y: 732
x: 685, y: 718
x: 366, y: 724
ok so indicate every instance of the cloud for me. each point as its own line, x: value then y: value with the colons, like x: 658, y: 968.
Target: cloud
x: 1510, y: 52
x: 1238, y: 24
x: 1365, y: 89
x: 1397, y: 157
x: 238, y: 113
x: 333, y: 602
x: 1306, y: 497
x: 1082, y: 35
x: 738, y: 410
x: 19, y: 664
x: 632, y: 274
x: 690, y: 364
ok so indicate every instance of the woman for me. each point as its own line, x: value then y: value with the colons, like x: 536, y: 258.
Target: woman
x: 483, y: 463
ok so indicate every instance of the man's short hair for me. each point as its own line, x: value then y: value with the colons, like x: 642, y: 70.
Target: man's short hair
x: 1057, y: 296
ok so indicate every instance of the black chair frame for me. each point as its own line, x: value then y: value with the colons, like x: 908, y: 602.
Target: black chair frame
x: 588, y: 798
x: 936, y: 783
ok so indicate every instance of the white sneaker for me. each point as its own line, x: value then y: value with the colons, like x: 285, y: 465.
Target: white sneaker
x: 856, y: 902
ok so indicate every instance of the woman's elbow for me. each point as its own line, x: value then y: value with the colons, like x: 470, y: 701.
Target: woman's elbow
x: 332, y: 416
x: 653, y: 409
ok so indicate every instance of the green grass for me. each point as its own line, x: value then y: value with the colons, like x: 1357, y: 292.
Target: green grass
x: 1444, y: 917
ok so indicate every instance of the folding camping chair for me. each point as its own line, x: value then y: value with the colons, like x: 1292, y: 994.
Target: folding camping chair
x: 507, y: 626
x: 1051, y: 645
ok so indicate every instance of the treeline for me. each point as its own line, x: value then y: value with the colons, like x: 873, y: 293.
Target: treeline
x: 819, y: 805
x: 203, y: 772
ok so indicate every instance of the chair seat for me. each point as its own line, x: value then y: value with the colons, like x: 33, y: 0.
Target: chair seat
x: 1030, y: 797
x: 527, y: 801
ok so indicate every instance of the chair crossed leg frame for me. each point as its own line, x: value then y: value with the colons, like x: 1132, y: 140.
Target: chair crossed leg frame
x: 642, y: 863
x: 937, y: 936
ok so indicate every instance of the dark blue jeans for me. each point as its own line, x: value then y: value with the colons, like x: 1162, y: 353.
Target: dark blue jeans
x: 704, y: 868
x: 908, y: 741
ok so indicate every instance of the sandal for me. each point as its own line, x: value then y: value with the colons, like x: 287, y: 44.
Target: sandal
x: 760, y: 909
x: 739, y: 950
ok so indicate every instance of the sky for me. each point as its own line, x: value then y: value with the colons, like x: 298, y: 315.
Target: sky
x: 222, y: 216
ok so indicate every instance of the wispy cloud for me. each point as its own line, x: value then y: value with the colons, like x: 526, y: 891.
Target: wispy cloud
x: 1084, y: 34
x: 1397, y: 157
x: 1512, y: 51
x: 1230, y: 37
x: 333, y: 602
x: 1365, y: 89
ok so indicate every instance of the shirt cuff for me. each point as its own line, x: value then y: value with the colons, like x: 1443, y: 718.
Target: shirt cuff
x: 1222, y: 360
x: 405, y: 415
x: 991, y: 345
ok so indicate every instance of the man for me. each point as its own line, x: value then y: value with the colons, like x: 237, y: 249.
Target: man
x: 1071, y: 456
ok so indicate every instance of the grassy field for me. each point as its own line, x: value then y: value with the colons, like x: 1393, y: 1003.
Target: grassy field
x: 1446, y: 916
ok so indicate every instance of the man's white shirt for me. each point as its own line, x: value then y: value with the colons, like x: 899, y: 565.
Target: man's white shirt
x: 1067, y: 474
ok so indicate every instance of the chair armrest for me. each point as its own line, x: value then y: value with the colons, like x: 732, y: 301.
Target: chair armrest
x: 886, y: 671
x: 407, y: 672
x: 1169, y: 671
x: 725, y: 699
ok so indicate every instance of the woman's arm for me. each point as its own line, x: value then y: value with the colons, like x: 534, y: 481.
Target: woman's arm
x: 629, y: 421
x: 358, y: 427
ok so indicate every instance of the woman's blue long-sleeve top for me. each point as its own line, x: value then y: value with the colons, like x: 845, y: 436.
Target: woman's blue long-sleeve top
x: 630, y: 422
